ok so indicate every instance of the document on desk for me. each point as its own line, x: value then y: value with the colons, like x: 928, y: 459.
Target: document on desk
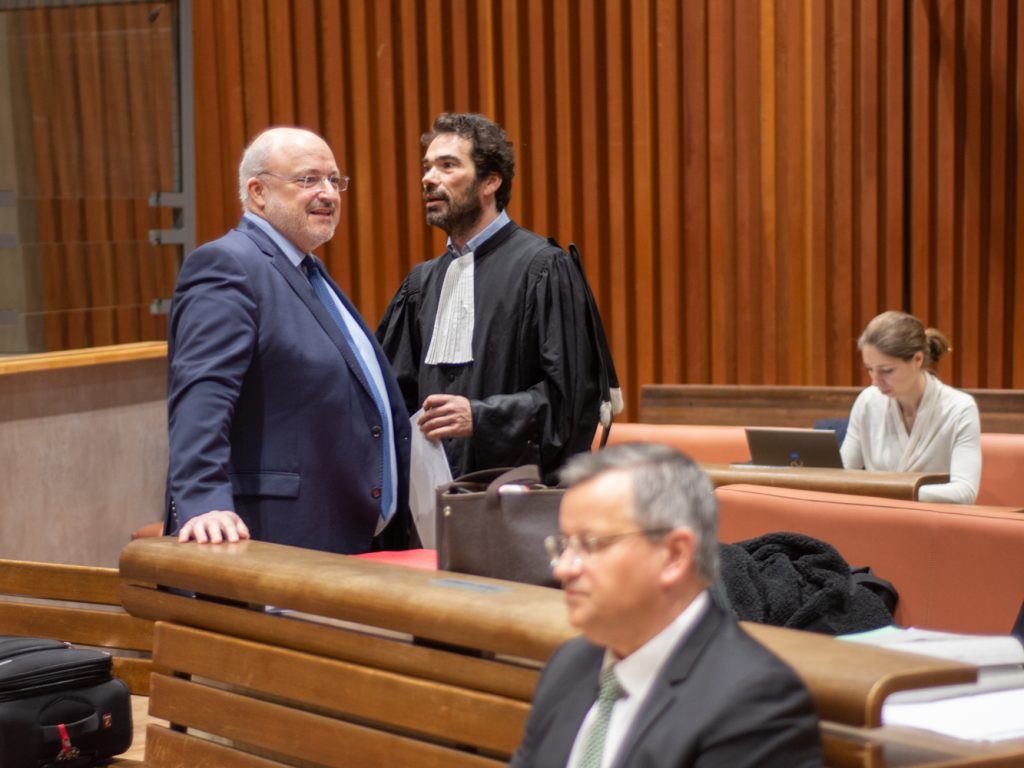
x: 428, y: 468
x: 990, y: 710
x: 983, y: 716
x: 982, y: 650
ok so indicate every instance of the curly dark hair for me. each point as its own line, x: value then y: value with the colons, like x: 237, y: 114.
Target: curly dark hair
x: 489, y: 147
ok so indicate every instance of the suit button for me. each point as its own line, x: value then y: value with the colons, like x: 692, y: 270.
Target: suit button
x: 451, y: 378
x: 376, y: 431
x: 375, y: 493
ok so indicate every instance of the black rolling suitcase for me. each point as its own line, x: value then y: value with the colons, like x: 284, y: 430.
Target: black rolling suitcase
x: 59, y: 706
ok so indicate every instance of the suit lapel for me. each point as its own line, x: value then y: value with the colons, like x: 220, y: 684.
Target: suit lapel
x: 665, y: 689
x: 581, y: 693
x: 300, y: 285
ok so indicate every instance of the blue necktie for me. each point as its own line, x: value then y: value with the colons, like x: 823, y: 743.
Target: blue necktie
x: 314, y: 272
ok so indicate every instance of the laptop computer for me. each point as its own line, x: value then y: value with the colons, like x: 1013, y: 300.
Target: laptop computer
x: 788, y: 447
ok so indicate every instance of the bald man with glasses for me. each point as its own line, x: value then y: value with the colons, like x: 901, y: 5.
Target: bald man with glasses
x: 662, y: 676
x: 285, y: 421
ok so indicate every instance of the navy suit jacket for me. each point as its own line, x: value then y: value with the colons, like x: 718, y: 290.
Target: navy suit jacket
x: 721, y: 701
x: 269, y: 412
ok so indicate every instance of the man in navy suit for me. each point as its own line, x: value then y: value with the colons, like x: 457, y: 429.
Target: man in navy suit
x: 285, y: 421
x: 663, y: 676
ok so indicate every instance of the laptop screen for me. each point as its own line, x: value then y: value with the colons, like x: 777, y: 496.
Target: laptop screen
x: 785, y: 447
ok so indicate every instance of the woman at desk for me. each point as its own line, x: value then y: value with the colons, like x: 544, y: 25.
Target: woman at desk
x: 908, y: 420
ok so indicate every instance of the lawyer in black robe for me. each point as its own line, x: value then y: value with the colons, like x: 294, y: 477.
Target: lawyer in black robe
x: 534, y: 381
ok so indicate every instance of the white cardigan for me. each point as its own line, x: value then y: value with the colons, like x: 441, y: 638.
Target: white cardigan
x: 946, y: 437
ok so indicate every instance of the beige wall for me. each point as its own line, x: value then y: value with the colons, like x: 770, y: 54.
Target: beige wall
x: 83, y: 455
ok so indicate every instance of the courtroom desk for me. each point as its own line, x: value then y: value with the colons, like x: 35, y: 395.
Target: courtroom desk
x: 859, y: 482
x: 83, y: 451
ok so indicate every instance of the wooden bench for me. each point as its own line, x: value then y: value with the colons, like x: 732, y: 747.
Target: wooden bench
x: 373, y: 664
x: 1002, y: 410
x: 81, y: 605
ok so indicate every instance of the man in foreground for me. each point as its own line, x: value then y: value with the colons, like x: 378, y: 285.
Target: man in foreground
x: 663, y: 676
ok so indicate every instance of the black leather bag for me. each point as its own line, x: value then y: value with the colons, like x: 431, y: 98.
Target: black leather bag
x: 59, y: 705
x: 493, y: 523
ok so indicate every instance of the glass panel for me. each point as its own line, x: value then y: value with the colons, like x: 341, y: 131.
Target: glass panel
x: 88, y: 105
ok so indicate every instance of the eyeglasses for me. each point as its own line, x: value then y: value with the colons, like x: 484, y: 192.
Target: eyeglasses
x: 337, y: 183
x: 588, y: 544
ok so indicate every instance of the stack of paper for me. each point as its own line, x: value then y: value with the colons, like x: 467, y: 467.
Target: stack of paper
x: 990, y: 710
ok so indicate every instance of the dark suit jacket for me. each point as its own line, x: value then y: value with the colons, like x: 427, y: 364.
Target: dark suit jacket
x: 269, y: 411
x: 721, y: 701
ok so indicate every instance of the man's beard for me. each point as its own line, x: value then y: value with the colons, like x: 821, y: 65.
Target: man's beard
x: 460, y: 214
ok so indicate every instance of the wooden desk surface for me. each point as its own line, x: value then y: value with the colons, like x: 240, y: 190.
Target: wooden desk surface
x: 893, y: 485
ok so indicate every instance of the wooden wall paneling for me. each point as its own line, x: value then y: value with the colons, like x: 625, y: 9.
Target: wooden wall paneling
x: 592, y: 179
x: 948, y: 173
x: 362, y: 152
x: 124, y: 177
x: 642, y: 167
x: 390, y: 148
x: 336, y: 109
x: 414, y: 237
x: 618, y: 189
x: 47, y: 210
x: 465, y: 72
x: 971, y: 248
x: 217, y: 88
x: 88, y: 256
x: 997, y: 154
x: 892, y: 204
x: 721, y: 190
x: 695, y: 238
x: 147, y: 131
x: 871, y: 258
x: 308, y: 79
x: 669, y: 286
x: 1016, y: 220
x: 843, y: 244
x: 733, y: 171
x: 257, y: 60
x: 155, y: 107
x: 765, y: 193
x: 287, y: 77
x: 829, y: 358
x: 792, y: 290
x: 541, y: 114
x: 563, y: 82
x: 748, y: 302
x: 920, y: 153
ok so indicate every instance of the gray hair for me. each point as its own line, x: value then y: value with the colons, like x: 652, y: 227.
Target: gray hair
x: 254, y: 160
x: 669, y: 491
x: 257, y: 155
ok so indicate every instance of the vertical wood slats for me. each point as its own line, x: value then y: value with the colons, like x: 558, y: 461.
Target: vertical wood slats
x: 749, y: 181
x: 94, y: 142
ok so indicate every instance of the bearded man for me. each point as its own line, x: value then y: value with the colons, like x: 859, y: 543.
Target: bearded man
x: 493, y: 338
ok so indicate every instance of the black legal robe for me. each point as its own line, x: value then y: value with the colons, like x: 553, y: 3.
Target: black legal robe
x: 534, y: 381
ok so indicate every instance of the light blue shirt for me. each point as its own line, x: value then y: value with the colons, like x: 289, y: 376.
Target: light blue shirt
x: 481, y: 237
x: 364, y: 348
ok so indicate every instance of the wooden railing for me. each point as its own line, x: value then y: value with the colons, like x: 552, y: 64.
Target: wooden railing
x: 402, y: 666
x: 1002, y: 410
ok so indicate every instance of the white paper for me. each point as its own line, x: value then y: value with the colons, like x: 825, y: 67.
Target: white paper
x: 982, y: 650
x: 990, y: 716
x: 428, y: 468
